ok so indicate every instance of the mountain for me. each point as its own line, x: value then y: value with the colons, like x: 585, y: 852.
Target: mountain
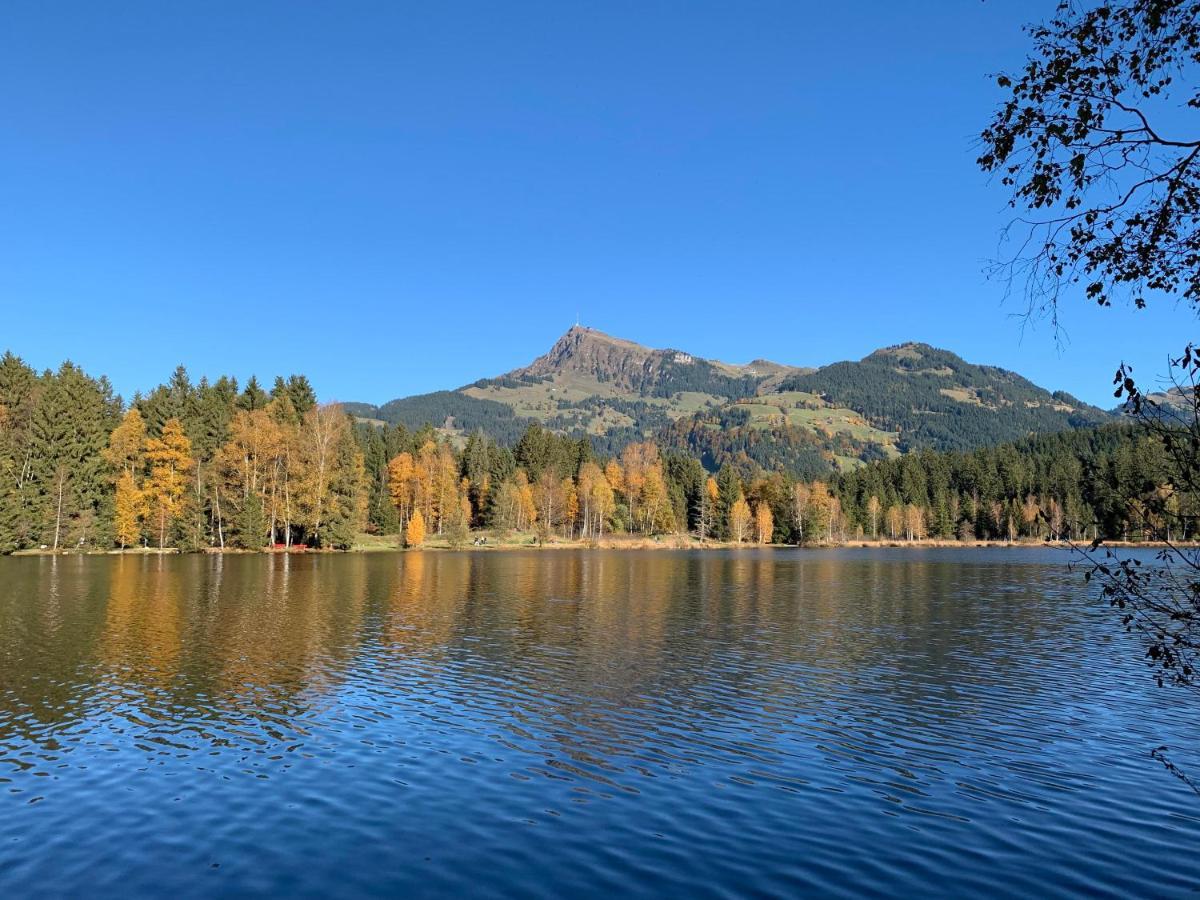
x: 615, y: 391
x: 933, y: 398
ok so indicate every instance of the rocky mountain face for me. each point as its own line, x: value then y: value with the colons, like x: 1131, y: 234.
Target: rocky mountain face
x: 894, y: 400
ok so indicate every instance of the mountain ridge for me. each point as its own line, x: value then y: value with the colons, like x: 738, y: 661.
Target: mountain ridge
x: 899, y: 398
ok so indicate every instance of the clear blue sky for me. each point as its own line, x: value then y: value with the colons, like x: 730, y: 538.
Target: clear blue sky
x: 399, y: 197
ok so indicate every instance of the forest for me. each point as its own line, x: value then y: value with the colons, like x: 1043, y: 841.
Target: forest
x: 218, y: 465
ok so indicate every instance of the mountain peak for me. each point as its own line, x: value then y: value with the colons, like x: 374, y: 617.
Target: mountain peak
x: 586, y: 351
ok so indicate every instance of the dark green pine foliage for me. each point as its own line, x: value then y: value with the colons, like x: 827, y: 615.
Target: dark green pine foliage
x: 382, y: 517
x: 70, y: 427
x: 466, y: 412
x: 19, y: 389
x: 539, y: 450
x: 729, y: 485
x: 502, y: 465
x: 296, y: 392
x: 686, y: 480
x: 253, y: 397
x: 251, y: 524
x: 476, y: 468
x: 337, y: 531
x: 1073, y: 484
x: 934, y: 398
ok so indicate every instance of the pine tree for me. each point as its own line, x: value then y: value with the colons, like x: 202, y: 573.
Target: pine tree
x: 69, y: 433
x: 18, y: 395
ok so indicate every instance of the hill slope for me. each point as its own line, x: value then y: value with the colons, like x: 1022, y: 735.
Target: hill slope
x: 810, y: 420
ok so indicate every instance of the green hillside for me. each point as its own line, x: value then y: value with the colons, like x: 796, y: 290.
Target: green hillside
x: 837, y: 417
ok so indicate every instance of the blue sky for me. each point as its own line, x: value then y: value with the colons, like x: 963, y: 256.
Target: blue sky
x: 401, y: 197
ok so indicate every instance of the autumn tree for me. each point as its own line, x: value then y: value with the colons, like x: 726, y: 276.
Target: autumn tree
x: 873, y: 514
x: 800, y: 495
x: 126, y: 450
x: 170, y: 459
x: 818, y: 513
x: 895, y: 520
x: 401, y: 483
x: 414, y: 532
x: 129, y: 509
x: 764, y: 522
x: 330, y: 485
x: 739, y: 520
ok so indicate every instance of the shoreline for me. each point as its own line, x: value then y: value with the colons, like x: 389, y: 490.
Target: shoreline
x: 375, y: 544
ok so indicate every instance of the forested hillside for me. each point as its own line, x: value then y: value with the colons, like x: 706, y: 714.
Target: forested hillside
x: 218, y: 465
x: 810, y: 421
x: 934, y: 399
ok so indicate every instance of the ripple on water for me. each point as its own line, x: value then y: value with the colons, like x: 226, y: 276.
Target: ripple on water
x: 588, y: 724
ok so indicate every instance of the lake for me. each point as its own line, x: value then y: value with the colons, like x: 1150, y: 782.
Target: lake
x: 562, y: 723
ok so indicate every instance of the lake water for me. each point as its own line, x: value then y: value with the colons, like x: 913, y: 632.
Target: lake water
x: 582, y: 724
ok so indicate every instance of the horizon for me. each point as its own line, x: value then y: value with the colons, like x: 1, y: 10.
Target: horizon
x: 265, y: 379
x: 358, y: 197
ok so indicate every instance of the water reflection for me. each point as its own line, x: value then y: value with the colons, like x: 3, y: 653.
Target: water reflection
x: 794, y: 710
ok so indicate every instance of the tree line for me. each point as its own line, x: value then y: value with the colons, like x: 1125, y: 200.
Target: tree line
x: 218, y: 465
x: 185, y: 466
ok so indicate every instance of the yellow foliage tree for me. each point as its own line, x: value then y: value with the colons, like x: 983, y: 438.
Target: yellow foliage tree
x: 126, y: 445
x: 170, y: 458
x: 615, y: 476
x: 600, y: 497
x: 402, y: 474
x: 764, y: 522
x: 526, y: 505
x: 739, y: 519
x: 655, y: 504
x: 129, y: 510
x: 414, y: 533
x: 570, y: 505
x: 895, y: 520
x: 873, y: 511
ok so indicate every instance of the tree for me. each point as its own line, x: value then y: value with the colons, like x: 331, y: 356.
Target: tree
x: 69, y: 432
x: 1087, y: 143
x: 801, y: 493
x: 708, y: 504
x: 19, y: 390
x: 914, y: 522
x: 764, y: 522
x: 170, y: 458
x: 414, y: 533
x: 459, y: 520
x: 739, y: 520
x: 895, y: 520
x: 600, y: 499
x: 873, y: 513
x: 126, y: 445
x: 129, y: 508
x: 330, y: 487
x: 818, y: 513
x: 401, y: 484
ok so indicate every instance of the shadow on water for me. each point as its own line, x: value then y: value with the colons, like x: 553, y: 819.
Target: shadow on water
x: 579, y: 722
